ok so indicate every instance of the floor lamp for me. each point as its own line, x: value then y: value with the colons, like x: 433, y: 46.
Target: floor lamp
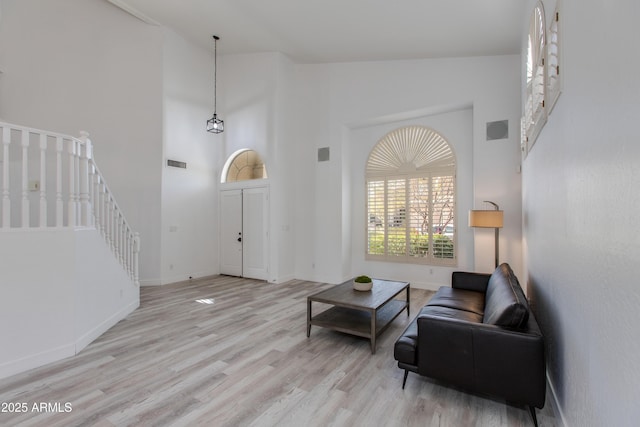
x: 488, y: 219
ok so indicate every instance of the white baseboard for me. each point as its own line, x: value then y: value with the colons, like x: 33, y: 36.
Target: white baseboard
x: 282, y: 279
x: 426, y: 286
x: 88, y: 337
x: 557, y: 409
x: 150, y: 282
x: 36, y: 360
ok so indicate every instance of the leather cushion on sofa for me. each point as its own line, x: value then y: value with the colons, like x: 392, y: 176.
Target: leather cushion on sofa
x: 459, y: 299
x: 505, y: 303
x: 451, y: 313
x: 406, y: 347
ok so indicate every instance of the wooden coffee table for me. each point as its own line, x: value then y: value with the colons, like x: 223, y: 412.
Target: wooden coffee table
x: 364, y: 314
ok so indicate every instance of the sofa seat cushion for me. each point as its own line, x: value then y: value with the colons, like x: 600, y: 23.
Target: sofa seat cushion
x: 459, y: 299
x: 505, y: 303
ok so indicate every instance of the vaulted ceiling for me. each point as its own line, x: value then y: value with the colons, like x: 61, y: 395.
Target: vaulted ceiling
x: 314, y: 31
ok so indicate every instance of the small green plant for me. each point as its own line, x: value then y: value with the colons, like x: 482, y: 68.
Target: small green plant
x: 362, y: 279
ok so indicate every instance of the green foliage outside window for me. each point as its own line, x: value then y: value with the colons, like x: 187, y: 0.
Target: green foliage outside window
x: 418, y: 245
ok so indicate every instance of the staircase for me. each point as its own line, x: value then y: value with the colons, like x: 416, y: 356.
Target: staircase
x: 68, y: 257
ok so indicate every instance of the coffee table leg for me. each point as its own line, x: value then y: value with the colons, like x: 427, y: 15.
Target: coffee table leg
x: 373, y: 332
x: 408, y: 300
x: 308, y: 318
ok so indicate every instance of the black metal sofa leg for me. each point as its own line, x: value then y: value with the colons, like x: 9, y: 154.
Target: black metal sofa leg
x: 404, y: 381
x: 533, y: 415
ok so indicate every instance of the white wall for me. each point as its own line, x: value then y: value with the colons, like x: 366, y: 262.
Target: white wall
x: 340, y: 97
x: 74, y: 65
x: 580, y: 204
x: 189, y: 209
x: 61, y: 289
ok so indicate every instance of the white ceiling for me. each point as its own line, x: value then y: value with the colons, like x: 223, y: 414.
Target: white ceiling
x: 314, y: 31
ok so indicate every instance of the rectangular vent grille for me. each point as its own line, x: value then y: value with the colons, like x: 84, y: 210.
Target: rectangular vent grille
x: 176, y: 164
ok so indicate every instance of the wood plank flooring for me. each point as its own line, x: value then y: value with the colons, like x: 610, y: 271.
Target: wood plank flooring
x: 224, y: 351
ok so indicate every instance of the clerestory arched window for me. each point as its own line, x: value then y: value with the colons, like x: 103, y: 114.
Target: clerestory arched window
x: 411, y: 198
x: 534, y: 116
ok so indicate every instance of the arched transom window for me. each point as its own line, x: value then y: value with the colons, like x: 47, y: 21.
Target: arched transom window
x: 411, y: 193
x: 244, y: 165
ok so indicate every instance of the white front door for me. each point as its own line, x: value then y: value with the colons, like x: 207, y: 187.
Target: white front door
x: 244, y: 238
x: 255, y: 229
x: 231, y: 232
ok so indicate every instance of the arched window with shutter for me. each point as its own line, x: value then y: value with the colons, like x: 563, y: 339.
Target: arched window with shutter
x: 534, y: 115
x: 411, y: 194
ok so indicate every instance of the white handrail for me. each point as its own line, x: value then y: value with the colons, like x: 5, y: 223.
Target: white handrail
x: 45, y: 186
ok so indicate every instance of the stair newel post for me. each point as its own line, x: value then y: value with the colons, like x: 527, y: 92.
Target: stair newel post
x: 25, y: 178
x: 73, y: 197
x: 43, y: 180
x: 59, y: 202
x: 77, y: 182
x: 6, y: 200
x: 136, y: 251
x: 86, y: 154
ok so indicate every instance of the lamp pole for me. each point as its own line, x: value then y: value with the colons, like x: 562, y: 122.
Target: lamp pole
x: 497, y: 232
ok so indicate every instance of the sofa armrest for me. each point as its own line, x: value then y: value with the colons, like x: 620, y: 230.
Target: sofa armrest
x: 483, y: 358
x: 470, y: 281
x: 510, y: 363
x: 445, y: 349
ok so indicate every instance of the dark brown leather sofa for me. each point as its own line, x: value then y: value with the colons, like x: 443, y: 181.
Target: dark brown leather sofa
x: 479, y: 335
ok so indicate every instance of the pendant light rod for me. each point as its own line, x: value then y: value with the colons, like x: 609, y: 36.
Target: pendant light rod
x: 215, y: 73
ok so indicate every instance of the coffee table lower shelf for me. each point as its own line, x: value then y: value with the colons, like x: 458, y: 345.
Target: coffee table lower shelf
x: 359, y: 322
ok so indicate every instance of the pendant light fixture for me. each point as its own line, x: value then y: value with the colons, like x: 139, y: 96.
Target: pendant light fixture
x: 214, y: 124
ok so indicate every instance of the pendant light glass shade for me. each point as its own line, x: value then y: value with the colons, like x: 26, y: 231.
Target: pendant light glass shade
x: 215, y: 124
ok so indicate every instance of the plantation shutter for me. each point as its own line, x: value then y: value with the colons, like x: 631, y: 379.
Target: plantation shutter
x: 553, y: 61
x: 538, y: 83
x: 375, y: 214
x: 534, y: 115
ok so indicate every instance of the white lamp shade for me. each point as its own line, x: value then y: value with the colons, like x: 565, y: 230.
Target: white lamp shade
x: 486, y: 219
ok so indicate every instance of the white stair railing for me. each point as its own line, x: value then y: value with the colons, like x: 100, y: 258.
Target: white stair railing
x: 50, y: 180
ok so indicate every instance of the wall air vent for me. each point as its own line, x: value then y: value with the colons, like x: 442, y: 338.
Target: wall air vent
x: 176, y: 164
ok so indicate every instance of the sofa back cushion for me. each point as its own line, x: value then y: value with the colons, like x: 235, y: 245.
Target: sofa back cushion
x: 505, y: 303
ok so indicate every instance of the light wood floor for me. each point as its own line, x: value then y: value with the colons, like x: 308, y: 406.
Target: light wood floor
x: 244, y: 360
